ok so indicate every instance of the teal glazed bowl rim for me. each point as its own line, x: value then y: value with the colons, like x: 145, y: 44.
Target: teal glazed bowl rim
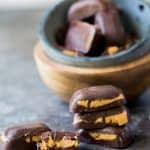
x: 47, y: 30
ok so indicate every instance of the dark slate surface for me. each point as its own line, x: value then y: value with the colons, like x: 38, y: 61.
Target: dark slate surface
x: 23, y: 96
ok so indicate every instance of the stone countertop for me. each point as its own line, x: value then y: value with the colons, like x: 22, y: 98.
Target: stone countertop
x: 23, y: 96
x: 21, y: 90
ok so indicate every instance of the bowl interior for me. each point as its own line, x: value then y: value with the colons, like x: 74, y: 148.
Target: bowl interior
x: 135, y: 16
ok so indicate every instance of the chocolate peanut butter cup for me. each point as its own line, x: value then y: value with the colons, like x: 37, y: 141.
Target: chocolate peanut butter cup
x: 23, y: 137
x: 83, y: 37
x: 83, y: 9
x: 96, y: 99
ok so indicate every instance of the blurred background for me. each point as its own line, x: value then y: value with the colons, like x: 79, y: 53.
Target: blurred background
x: 23, y: 4
x: 23, y: 96
x: 21, y: 90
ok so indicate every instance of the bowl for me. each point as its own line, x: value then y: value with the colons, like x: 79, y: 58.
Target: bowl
x: 133, y: 77
x: 136, y: 17
x: 129, y: 69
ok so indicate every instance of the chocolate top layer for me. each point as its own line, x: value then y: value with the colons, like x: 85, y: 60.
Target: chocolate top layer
x: 93, y: 93
x: 96, y: 92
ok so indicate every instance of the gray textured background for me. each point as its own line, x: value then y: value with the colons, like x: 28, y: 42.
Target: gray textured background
x: 23, y: 96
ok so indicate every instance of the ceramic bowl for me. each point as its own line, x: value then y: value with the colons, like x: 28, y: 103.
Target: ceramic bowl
x: 133, y: 77
x: 129, y: 69
x: 136, y: 17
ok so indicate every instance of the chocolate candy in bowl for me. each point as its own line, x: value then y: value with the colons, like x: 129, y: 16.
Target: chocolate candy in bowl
x: 83, y: 37
x: 128, y: 69
x: 83, y: 9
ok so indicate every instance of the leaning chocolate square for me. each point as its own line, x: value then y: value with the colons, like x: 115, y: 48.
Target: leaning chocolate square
x: 113, y: 137
x: 96, y: 98
x: 23, y: 137
x: 118, y: 116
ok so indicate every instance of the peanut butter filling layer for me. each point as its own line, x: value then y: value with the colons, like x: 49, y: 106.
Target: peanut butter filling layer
x: 29, y: 139
x: 119, y: 119
x: 45, y: 145
x: 103, y: 136
x: 64, y: 143
x: 112, y: 50
x: 99, y: 102
x: 99, y: 120
x: 83, y: 103
x: 70, y: 52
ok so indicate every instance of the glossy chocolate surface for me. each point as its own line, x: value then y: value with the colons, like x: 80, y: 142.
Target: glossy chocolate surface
x: 23, y: 137
x: 82, y: 37
x: 123, y: 136
x: 101, y: 93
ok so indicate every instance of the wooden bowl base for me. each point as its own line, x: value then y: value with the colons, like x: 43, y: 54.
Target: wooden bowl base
x: 133, y: 78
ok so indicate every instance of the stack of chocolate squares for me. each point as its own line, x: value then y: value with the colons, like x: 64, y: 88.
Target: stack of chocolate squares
x: 101, y: 116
